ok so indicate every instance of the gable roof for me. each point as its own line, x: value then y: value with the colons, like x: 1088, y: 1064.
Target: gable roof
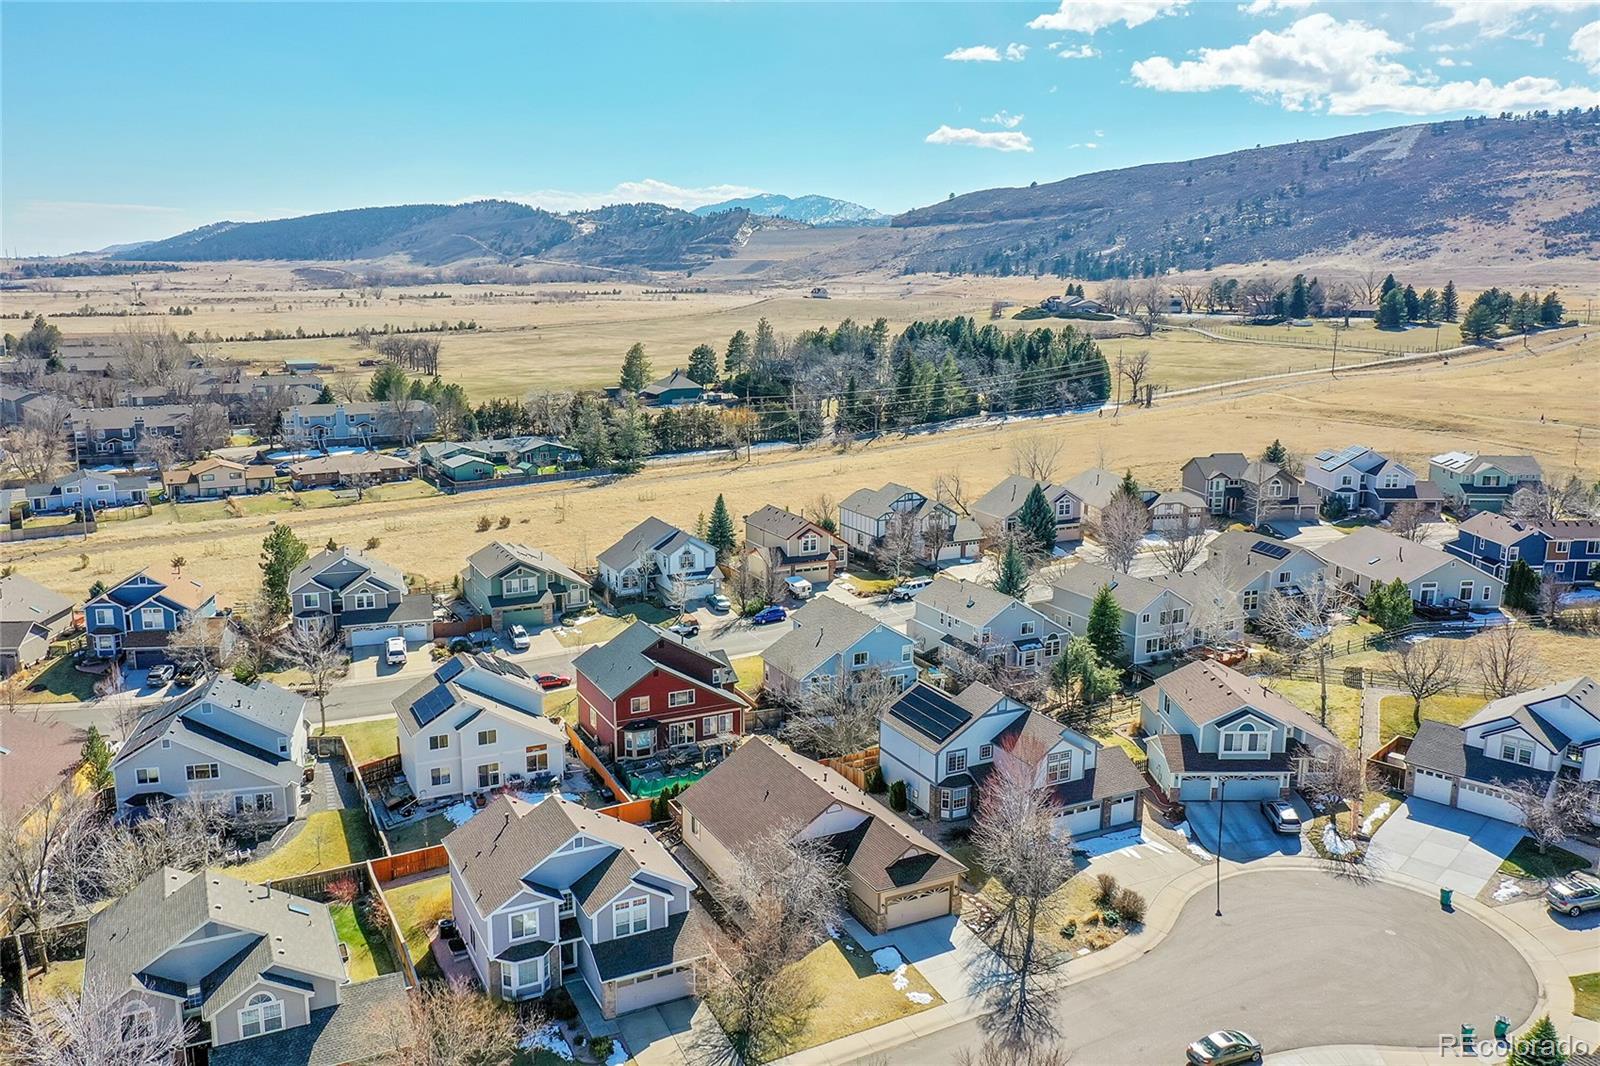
x: 1333, y: 458
x: 184, y: 592
x: 1497, y: 528
x: 619, y: 663
x: 1523, y: 709
x: 823, y: 627
x: 671, y: 383
x: 182, y: 475
x: 1245, y: 555
x: 263, y: 702
x: 496, y: 557
x: 876, y: 502
x: 1007, y: 498
x: 1096, y: 486
x: 968, y: 601
x: 23, y: 599
x: 450, y: 686
x: 35, y: 758
x: 1383, y: 556
x: 350, y: 463
x: 930, y: 717
x: 1208, y: 691
x: 311, y: 570
x: 652, y: 534
x: 780, y: 523
x: 1133, y: 592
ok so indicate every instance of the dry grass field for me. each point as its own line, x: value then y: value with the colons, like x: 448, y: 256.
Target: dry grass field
x: 1492, y: 401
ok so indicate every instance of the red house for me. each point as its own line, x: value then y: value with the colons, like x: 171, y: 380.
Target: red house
x: 645, y: 691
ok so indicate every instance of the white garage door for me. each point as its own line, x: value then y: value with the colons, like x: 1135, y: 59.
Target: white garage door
x: 1252, y: 788
x: 416, y: 632
x: 1479, y: 801
x: 366, y: 638
x: 1195, y: 788
x: 1431, y: 786
x: 636, y: 993
x: 1078, y: 823
x: 918, y: 908
x: 1122, y: 811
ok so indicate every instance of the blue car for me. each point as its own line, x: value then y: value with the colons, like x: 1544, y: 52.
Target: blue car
x: 768, y: 615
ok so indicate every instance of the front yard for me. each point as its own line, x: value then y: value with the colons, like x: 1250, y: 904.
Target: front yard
x: 1376, y: 807
x: 1525, y: 861
x: 369, y: 741
x: 57, y: 681
x: 752, y: 671
x: 1395, y: 717
x: 849, y: 995
x: 1586, y: 996
x: 328, y: 839
x: 595, y: 629
x: 369, y: 950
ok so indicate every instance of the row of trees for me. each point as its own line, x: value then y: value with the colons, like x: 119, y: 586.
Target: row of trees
x: 1522, y: 314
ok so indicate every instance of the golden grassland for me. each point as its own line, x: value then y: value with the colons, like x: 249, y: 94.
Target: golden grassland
x: 1492, y: 402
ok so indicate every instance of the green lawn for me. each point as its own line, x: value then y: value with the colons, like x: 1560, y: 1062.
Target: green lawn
x: 214, y: 510
x: 329, y: 839
x: 368, y: 740
x: 1395, y: 717
x: 1344, y: 704
x: 850, y: 995
x: 58, y: 682
x: 417, y: 908
x: 1586, y: 996
x: 871, y: 582
x: 1121, y: 740
x: 752, y: 670
x: 369, y: 950
x: 1526, y: 861
x: 564, y: 703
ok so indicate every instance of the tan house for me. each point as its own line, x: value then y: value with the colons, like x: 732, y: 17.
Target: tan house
x: 213, y: 478
x: 352, y: 468
x: 788, y: 545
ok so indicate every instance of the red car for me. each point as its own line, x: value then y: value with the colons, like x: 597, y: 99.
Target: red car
x: 549, y: 681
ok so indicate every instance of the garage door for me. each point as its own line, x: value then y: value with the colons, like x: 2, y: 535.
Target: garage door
x: 1122, y: 811
x: 416, y: 632
x: 918, y: 908
x: 636, y: 993
x: 1078, y: 823
x: 1481, y: 801
x: 1431, y: 786
x: 1195, y: 788
x: 366, y: 638
x: 1253, y: 788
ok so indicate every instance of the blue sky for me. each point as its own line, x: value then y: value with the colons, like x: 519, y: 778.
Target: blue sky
x: 136, y: 121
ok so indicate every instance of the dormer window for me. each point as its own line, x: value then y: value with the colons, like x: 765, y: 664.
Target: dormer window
x: 1246, y: 738
x: 1519, y: 752
x: 630, y: 916
x: 262, y: 1014
x: 1058, y: 767
x: 809, y: 543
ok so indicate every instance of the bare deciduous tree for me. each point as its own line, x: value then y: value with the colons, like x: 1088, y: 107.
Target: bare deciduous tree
x: 1551, y: 811
x: 1133, y: 369
x: 317, y: 651
x: 45, y: 859
x: 1335, y: 777
x: 189, y: 833
x: 194, y: 641
x: 951, y: 490
x: 1182, y: 541
x: 842, y: 717
x: 454, y: 1024
x: 1406, y: 520
x: 1035, y: 455
x: 900, y: 541
x: 1300, y: 626
x: 1422, y: 669
x: 1120, y: 529
x: 92, y: 1029
x: 1506, y: 660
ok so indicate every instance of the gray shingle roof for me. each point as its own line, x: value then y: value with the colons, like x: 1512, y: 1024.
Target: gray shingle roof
x: 1133, y: 592
x: 273, y: 707
x: 687, y: 936
x: 1006, y: 498
x: 24, y: 600
x: 823, y: 628
x: 1381, y: 556
x: 968, y: 601
x: 496, y: 557
x: 1441, y: 746
x: 1523, y: 709
x: 778, y: 522
x: 371, y: 1020
x: 1208, y: 691
x: 874, y: 502
x: 650, y: 535
x: 1095, y: 487
x: 312, y: 568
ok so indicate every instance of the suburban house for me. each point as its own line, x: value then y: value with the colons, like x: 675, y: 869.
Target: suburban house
x: 976, y: 620
x: 211, y: 477
x: 895, y: 520
x: 1252, y: 568
x: 660, y: 560
x: 243, y: 744
x: 517, y: 585
x: 476, y: 723
x: 31, y: 616
x: 676, y: 388
x: 894, y: 876
x: 364, y: 600
x: 527, y: 455
x: 14, y: 400
x: 1537, y: 738
x: 281, y: 389
x: 784, y: 545
x: 1473, y: 482
x: 1071, y: 305
x: 87, y: 490
x: 1364, y: 480
x: 1251, y: 489
x: 997, y: 509
x: 833, y: 644
x: 259, y: 971
x: 1368, y: 556
x: 1178, y: 511
x: 36, y: 760
x: 464, y: 466
x: 135, y: 618
x: 645, y: 691
x: 550, y: 894
x: 366, y: 423
x: 944, y: 747
x: 124, y: 432
x: 1214, y: 734
x: 1094, y: 490
x: 1563, y: 550
x: 350, y: 468
x: 1161, y: 614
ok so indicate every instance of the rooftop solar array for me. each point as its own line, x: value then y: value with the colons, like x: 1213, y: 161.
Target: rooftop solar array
x: 929, y: 712
x: 1339, y: 458
x: 1270, y: 550
x: 434, y: 703
x: 449, y: 670
x: 496, y: 665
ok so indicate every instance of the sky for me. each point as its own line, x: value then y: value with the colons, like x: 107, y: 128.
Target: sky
x: 131, y: 122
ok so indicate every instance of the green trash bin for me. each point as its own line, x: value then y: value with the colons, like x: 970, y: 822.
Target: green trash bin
x: 1444, y: 897
x: 1502, y: 1026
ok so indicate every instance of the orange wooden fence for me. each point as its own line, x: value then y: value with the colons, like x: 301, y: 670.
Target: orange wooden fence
x: 592, y: 761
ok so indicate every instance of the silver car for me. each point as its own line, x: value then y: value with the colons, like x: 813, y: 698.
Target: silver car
x: 1574, y: 894
x: 1282, y: 815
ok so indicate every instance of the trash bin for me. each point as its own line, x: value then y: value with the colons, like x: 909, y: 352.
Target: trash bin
x: 1469, y: 1033
x: 1444, y: 897
x: 1502, y: 1026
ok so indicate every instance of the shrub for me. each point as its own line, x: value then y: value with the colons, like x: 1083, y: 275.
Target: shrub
x: 1110, y: 918
x: 1105, y: 890
x: 875, y: 783
x: 245, y: 672
x: 557, y: 1003
x: 377, y: 914
x: 505, y: 520
x: 897, y: 796
x: 484, y: 522
x: 1070, y: 930
x: 600, y: 1048
x: 460, y: 644
x: 1130, y: 905
x: 344, y: 890
x: 1271, y: 662
x: 372, y: 542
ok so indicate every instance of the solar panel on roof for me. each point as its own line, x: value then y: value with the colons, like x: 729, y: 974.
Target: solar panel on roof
x: 434, y: 703
x: 1338, y: 459
x: 449, y: 671
x: 1270, y: 550
x: 929, y: 713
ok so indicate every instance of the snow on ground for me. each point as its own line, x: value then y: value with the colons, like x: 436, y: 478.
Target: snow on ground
x: 1122, y: 842
x: 1508, y: 889
x: 549, y: 1038
x: 900, y: 978
x: 460, y: 813
x: 619, y: 1053
x: 1586, y: 597
x: 1333, y: 843
x: 1188, y: 833
x: 1379, y: 813
x: 921, y: 998
x: 886, y: 959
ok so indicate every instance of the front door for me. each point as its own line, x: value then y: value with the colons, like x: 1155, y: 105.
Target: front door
x: 569, y: 957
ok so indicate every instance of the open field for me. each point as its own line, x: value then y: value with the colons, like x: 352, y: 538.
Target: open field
x: 1491, y: 401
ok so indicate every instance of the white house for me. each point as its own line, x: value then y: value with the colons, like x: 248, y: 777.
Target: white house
x: 882, y: 522
x: 88, y: 490
x: 978, y: 621
x: 831, y: 642
x: 1367, y: 556
x: 475, y: 723
x: 658, y: 559
x: 1253, y: 568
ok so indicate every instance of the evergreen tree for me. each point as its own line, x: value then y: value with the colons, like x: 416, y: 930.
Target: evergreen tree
x: 1522, y: 587
x: 1392, y: 310
x: 1478, y: 323
x: 388, y: 383
x: 326, y: 396
x: 703, y: 364
x: 1299, y: 298
x: 1389, y: 606
x: 719, y: 532
x: 1104, y: 629
x: 737, y: 358
x: 1085, y: 678
x: 632, y: 440
x: 1129, y: 486
x: 1539, y: 1045
x: 1389, y: 285
x: 1038, y: 520
x: 1449, y: 306
x: 592, y: 437
x: 1413, y: 304
x: 1275, y: 453
x: 1524, y: 316
x: 1429, y: 305
x: 281, y: 553
x: 766, y: 343
x: 635, y: 369
x: 1550, y: 310
x: 1012, y: 579
x: 97, y: 757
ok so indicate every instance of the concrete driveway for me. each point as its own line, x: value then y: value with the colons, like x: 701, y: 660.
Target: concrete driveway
x: 943, y: 950
x: 1442, y: 845
x: 664, y: 1035
x: 1246, y: 833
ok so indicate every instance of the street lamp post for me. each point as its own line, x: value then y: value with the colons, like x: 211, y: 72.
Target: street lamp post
x: 1222, y: 799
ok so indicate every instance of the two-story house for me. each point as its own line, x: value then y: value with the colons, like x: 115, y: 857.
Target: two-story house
x: 943, y: 747
x: 996, y: 511
x: 1252, y: 489
x: 1473, y: 482
x: 550, y: 894
x: 831, y: 644
x: 243, y: 744
x: 136, y: 618
x: 362, y: 469
x: 364, y: 600
x: 517, y: 585
x: 1252, y: 569
x: 1214, y: 734
x: 659, y: 560
x: 1368, y: 556
x: 322, y: 425
x: 644, y: 691
x: 211, y: 478
x: 1094, y: 489
x: 1178, y: 512
x: 894, y: 876
x: 258, y: 973
x: 976, y: 620
x: 31, y: 617
x: 1537, y: 738
x: 476, y: 723
x: 87, y: 490
x: 782, y: 544
x: 1162, y: 614
x: 124, y: 433
x: 1365, y: 480
x: 1563, y: 550
x: 898, y: 520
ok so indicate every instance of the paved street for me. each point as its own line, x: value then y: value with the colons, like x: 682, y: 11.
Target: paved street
x: 1298, y: 959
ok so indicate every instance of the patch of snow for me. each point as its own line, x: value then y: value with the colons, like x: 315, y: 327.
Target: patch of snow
x: 1082, y: 952
x: 1188, y: 834
x: 900, y: 978
x: 886, y: 959
x: 1333, y: 843
x: 549, y: 1038
x: 1122, y: 842
x: 1379, y: 813
x: 1577, y: 596
x: 460, y: 813
x: 921, y: 998
x: 619, y: 1053
x: 1508, y: 889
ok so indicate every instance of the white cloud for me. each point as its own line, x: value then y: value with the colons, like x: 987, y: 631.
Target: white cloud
x: 999, y: 140
x: 1099, y: 133
x: 1092, y: 16
x: 1082, y: 51
x: 1497, y: 18
x: 1272, y: 7
x: 1016, y: 53
x: 1585, y: 45
x: 1004, y: 119
x: 1084, y: 144
x: 978, y: 53
x: 647, y: 190
x: 1345, y: 68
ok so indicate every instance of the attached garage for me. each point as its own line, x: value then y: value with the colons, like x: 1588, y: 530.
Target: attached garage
x: 1080, y: 821
x: 1191, y: 789
x: 416, y: 632
x: 1123, y: 810
x: 372, y: 637
x: 918, y: 907
x: 1254, y: 787
x: 1482, y: 799
x: 1431, y: 786
x: 648, y: 989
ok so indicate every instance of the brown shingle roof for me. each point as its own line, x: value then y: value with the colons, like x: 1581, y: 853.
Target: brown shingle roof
x: 1207, y: 691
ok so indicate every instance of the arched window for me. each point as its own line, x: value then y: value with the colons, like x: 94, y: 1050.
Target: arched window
x: 262, y: 1013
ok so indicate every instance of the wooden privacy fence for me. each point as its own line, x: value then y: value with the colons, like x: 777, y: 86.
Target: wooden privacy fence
x: 461, y: 627
x: 856, y: 766
x: 592, y: 761
x: 634, y: 812
x: 388, y: 868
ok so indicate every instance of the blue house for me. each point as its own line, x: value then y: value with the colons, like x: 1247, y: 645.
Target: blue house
x: 1563, y: 550
x: 135, y: 618
x: 832, y: 644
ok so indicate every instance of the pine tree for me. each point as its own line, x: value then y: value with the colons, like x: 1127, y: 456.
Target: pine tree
x: 1413, y: 304
x: 592, y: 437
x: 1429, y: 305
x: 1551, y: 310
x: 327, y: 396
x: 1389, y: 285
x: 1392, y: 310
x: 766, y: 344
x: 1104, y: 628
x: 1539, y: 1045
x: 281, y: 553
x: 1299, y: 300
x: 1522, y: 587
x: 1038, y: 520
x: 703, y: 364
x: 1275, y: 453
x: 632, y: 439
x: 635, y: 369
x: 719, y: 532
x: 1129, y: 486
x: 1479, y: 322
x: 97, y: 757
x: 737, y: 357
x: 1449, y: 306
x: 1012, y: 579
x: 1389, y: 606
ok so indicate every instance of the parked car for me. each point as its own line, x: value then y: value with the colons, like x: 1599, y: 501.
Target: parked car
x: 798, y: 587
x: 1282, y: 815
x: 188, y: 673
x: 909, y: 588
x: 1223, y: 1047
x: 283, y: 469
x: 519, y: 638
x: 1448, y: 609
x: 768, y: 615
x: 394, y: 651
x: 160, y: 674
x: 549, y: 681
x: 687, y: 626
x: 1574, y: 894
x: 720, y: 603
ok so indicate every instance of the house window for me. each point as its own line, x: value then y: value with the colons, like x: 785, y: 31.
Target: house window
x: 639, y: 705
x: 147, y: 775
x: 262, y: 1014
x: 1466, y: 590
x: 569, y: 904
x: 1064, y: 509
x: 105, y: 616
x: 1244, y: 739
x: 638, y: 742
x: 538, y: 758
x: 905, y: 654
x: 151, y: 618
x: 309, y: 600
x: 1275, y: 489
x: 630, y: 916
x: 138, y: 1022
x: 1052, y: 644
x: 1057, y: 767
x: 680, y: 732
x: 1521, y: 754
x: 1027, y: 628
x: 439, y: 776
x: 1284, y: 577
x: 1152, y: 645
x: 686, y: 560
x: 955, y: 762
x: 681, y: 698
x: 1513, y: 553
x: 363, y: 601
x: 1144, y: 618
x: 953, y: 802
x: 262, y: 802
x: 518, y: 977
x: 489, y: 775
x: 859, y: 659
x: 205, y: 771
x: 716, y: 725
x: 512, y: 585
x: 630, y: 580
x: 1490, y: 481
x: 808, y: 544
x: 525, y: 925
x: 985, y: 752
x: 487, y: 737
x: 1251, y: 598
x: 1488, y: 593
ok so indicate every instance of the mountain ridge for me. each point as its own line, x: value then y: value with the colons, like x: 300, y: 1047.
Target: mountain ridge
x: 812, y: 209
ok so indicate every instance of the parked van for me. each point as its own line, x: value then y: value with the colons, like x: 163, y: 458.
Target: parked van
x: 910, y: 587
x: 798, y: 587
x: 394, y: 651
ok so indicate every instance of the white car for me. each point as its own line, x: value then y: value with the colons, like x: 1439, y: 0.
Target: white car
x: 798, y: 587
x: 394, y: 651
x: 519, y: 638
